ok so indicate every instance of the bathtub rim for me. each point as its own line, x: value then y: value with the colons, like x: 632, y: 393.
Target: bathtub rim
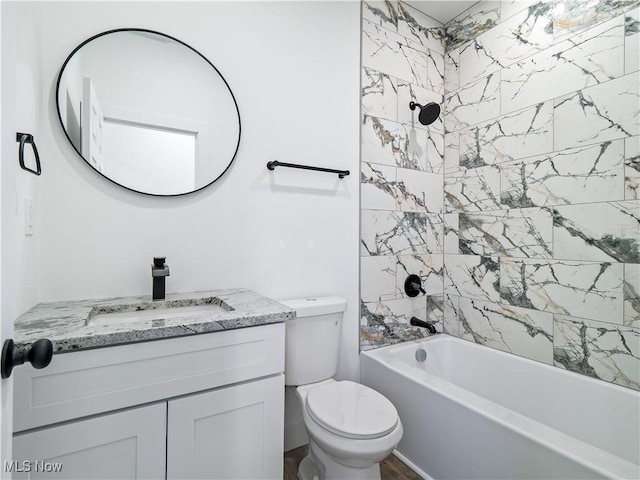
x: 599, y: 460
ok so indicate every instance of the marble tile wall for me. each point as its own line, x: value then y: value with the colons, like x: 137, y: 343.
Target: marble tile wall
x: 541, y: 208
x: 520, y: 207
x: 402, y: 165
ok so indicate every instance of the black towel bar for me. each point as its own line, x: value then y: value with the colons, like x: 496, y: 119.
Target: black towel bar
x: 273, y: 164
x: 24, y: 138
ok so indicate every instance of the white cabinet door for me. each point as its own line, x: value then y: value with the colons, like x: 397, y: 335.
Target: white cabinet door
x: 125, y: 445
x: 231, y: 433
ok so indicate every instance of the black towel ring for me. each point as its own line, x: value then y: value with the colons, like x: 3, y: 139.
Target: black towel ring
x: 24, y: 138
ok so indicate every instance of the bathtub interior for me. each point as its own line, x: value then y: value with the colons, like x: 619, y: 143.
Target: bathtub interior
x: 603, y: 415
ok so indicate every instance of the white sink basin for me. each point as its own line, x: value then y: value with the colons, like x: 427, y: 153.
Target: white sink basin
x: 101, y: 317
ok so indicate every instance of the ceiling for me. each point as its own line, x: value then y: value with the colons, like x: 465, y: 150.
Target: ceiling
x: 441, y: 10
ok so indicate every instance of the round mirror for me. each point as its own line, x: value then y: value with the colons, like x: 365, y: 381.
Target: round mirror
x: 148, y: 112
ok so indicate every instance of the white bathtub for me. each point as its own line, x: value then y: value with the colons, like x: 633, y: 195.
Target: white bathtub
x: 471, y: 412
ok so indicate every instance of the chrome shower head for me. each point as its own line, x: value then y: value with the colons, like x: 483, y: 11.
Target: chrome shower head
x: 428, y: 113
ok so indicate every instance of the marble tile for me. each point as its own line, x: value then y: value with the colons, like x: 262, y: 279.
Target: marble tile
x: 508, y: 8
x: 393, y: 311
x: 431, y: 227
x: 419, y: 191
x: 472, y: 276
x: 471, y: 23
x: 451, y: 323
x: 472, y: 104
x: 632, y: 295
x: 382, y: 50
x: 524, y: 34
x: 391, y: 143
x: 428, y: 267
x: 451, y: 70
x: 451, y: 152
x: 571, y: 17
x: 379, y: 96
x: 378, y: 278
x: 524, y: 332
x: 607, y: 231
x: 523, y: 232
x: 451, y: 236
x: 435, y: 311
x: 397, y: 233
x: 600, y: 350
x: 393, y: 54
x: 472, y: 190
x: 509, y: 137
x: 603, y: 112
x: 420, y: 28
x: 564, y: 68
x: 632, y: 168
x: 378, y: 190
x: 582, y: 289
x: 387, y: 323
x: 435, y: 77
x: 434, y: 232
x: 382, y: 13
x: 376, y: 337
x: 632, y: 41
x: 435, y: 150
x: 579, y: 175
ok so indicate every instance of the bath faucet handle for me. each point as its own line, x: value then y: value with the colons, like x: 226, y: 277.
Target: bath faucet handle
x: 413, y: 286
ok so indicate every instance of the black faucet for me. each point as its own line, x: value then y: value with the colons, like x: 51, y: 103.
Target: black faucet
x: 159, y: 270
x: 430, y: 326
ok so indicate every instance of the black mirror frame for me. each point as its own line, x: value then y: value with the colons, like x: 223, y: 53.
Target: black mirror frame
x: 108, y: 32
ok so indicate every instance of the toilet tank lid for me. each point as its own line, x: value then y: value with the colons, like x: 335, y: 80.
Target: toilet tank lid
x: 311, y: 306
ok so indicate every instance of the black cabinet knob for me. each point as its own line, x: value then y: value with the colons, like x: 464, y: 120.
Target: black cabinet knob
x: 38, y: 353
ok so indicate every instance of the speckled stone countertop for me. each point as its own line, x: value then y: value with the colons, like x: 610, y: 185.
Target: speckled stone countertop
x: 68, y: 324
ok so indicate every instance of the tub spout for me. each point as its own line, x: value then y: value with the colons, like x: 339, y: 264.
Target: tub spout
x: 430, y: 326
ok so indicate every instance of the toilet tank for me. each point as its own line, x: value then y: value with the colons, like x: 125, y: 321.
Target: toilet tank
x: 312, y: 339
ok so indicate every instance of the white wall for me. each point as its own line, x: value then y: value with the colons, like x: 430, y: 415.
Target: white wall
x: 294, y: 69
x: 21, y: 108
x: 21, y: 101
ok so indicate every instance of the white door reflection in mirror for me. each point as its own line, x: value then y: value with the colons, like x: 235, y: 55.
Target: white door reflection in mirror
x: 91, y: 126
x: 148, y: 156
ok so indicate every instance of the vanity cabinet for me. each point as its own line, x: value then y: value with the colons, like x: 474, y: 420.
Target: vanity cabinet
x: 129, y: 444
x: 232, y: 433
x: 202, y: 406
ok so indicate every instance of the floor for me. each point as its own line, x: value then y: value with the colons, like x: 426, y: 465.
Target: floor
x: 390, y: 468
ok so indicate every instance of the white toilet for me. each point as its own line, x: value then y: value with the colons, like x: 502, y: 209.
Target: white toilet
x: 351, y: 427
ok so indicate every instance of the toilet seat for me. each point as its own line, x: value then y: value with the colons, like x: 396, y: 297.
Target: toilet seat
x: 351, y: 410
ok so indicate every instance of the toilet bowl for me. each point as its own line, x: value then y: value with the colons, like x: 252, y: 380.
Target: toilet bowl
x: 351, y: 427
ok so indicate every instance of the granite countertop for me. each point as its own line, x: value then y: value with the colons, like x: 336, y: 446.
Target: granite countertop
x: 66, y: 323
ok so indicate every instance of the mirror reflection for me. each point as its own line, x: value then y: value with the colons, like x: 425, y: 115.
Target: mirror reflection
x: 148, y: 112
